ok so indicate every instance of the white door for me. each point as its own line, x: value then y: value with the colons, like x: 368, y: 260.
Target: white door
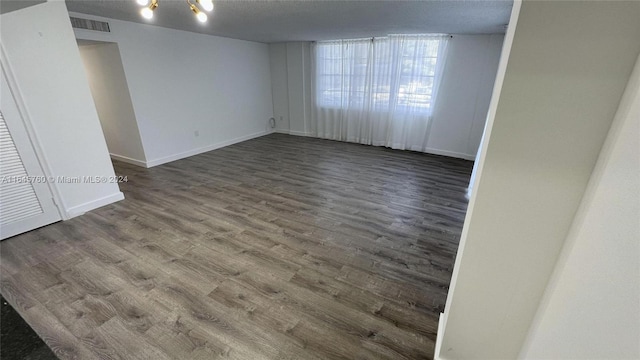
x: 26, y: 202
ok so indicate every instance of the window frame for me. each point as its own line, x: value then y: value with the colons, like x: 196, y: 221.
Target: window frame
x: 403, y: 93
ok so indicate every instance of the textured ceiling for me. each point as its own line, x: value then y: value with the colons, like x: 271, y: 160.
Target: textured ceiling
x: 275, y: 21
x: 13, y: 5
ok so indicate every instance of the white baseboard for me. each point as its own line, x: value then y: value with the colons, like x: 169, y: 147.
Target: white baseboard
x: 294, y: 133
x: 450, y: 154
x: 182, y: 155
x: 128, y: 160
x: 428, y: 150
x: 300, y: 133
x: 436, y: 355
x: 94, y: 204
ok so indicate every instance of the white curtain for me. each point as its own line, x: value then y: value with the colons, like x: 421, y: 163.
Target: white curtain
x: 379, y: 91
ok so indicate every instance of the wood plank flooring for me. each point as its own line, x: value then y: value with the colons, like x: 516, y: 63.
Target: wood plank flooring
x: 279, y: 247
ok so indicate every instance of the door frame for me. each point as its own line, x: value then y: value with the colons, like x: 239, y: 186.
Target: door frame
x: 25, y: 117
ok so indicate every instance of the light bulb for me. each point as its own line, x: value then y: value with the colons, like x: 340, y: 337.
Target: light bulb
x: 206, y: 4
x: 143, y: 2
x: 202, y: 17
x: 146, y: 13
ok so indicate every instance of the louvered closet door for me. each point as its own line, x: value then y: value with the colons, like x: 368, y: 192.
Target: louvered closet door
x: 25, y: 198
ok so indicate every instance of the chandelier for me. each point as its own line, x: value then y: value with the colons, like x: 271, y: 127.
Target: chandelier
x: 150, y: 6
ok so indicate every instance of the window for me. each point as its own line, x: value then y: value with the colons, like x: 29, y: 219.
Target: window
x: 395, y: 73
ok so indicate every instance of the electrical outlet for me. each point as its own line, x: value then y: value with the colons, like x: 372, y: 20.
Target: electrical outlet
x: 196, y: 133
x: 280, y: 118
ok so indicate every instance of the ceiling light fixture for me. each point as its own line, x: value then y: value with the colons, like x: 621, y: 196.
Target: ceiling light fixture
x: 147, y: 12
x: 206, y: 5
x: 202, y: 17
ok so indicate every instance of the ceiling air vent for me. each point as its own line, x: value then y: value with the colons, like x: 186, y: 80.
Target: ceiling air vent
x: 95, y: 25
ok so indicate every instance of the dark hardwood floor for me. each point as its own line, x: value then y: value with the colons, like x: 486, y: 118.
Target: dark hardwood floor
x: 279, y: 247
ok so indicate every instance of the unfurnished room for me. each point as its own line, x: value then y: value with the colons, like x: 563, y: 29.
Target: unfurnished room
x: 360, y: 179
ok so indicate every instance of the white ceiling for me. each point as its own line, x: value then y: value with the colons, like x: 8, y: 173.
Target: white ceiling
x: 276, y: 21
x: 13, y: 5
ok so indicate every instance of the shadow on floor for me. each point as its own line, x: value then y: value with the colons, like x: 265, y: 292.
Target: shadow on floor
x: 18, y: 341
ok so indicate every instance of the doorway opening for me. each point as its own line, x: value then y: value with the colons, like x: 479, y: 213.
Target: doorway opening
x: 108, y: 83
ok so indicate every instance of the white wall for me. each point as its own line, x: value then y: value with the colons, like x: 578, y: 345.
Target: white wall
x: 45, y: 63
x: 591, y: 308
x: 463, y: 99
x: 291, y: 73
x: 567, y: 69
x: 279, y: 85
x: 182, y: 83
x: 299, y: 87
x: 113, y: 102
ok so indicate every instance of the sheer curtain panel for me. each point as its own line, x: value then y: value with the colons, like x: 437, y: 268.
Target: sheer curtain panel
x: 378, y: 91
